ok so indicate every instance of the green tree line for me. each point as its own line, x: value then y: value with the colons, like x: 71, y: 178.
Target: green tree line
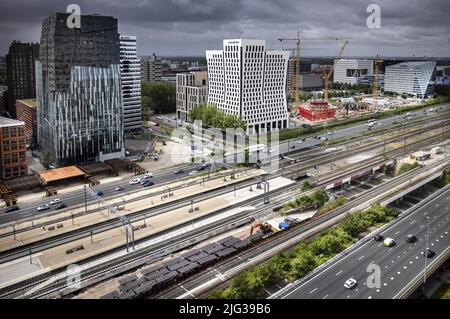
x: 158, y: 98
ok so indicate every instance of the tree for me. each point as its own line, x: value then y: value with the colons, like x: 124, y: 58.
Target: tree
x: 306, y: 185
x: 160, y: 97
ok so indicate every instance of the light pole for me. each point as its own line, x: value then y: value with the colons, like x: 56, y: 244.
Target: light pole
x: 426, y: 250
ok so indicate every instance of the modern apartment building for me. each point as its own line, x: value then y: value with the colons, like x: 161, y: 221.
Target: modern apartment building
x: 247, y: 81
x: 192, y: 91
x: 130, y: 72
x: 26, y: 112
x: 409, y: 77
x: 79, y: 97
x: 13, y: 148
x: 20, y: 69
x: 351, y: 70
x: 151, y: 69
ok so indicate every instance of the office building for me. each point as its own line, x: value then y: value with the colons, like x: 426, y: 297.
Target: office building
x: 247, y: 81
x: 409, y: 77
x: 369, y: 79
x: 13, y: 150
x: 151, y: 69
x: 26, y: 112
x: 4, y: 101
x: 192, y: 91
x: 2, y: 70
x: 130, y: 72
x: 79, y: 97
x: 308, y: 81
x: 20, y: 69
x: 349, y: 71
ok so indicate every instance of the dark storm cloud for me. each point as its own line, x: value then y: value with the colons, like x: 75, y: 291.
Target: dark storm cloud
x: 189, y: 27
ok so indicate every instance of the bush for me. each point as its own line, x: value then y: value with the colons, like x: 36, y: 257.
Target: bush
x: 407, y: 167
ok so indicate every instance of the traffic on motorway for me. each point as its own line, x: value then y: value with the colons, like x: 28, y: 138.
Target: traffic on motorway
x: 398, y: 254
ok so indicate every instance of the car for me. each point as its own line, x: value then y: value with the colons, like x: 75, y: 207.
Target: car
x: 200, y: 168
x: 148, y: 183
x: 119, y: 188
x: 55, y: 201
x: 378, y: 237
x: 12, y: 208
x: 299, y: 142
x: 148, y: 175
x: 428, y: 253
x: 350, y: 283
x: 389, y: 242
x: 293, y: 146
x: 100, y: 193
x: 43, y: 207
x: 205, y: 165
x: 60, y: 206
x: 303, y: 139
x: 135, y: 181
x: 329, y: 133
x: 410, y: 238
x: 323, y: 138
x: 193, y: 172
x: 178, y: 171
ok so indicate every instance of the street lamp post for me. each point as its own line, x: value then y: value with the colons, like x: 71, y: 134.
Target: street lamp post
x: 426, y: 249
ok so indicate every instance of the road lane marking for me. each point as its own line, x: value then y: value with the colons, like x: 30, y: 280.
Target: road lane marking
x: 325, y: 297
x: 340, y: 272
x: 361, y: 257
x: 312, y: 290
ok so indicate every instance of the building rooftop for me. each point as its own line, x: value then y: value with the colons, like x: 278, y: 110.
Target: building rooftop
x: 6, y: 122
x: 62, y: 173
x: 410, y: 64
x: 28, y: 102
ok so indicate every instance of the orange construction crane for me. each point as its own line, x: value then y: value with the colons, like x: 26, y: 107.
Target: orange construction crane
x: 328, y: 76
x: 298, y: 39
x: 375, y: 80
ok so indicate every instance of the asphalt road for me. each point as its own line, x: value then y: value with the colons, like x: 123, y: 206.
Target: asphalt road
x: 75, y: 198
x: 399, y: 265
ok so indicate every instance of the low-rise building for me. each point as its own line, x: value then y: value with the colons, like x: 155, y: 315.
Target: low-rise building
x: 13, y: 148
x: 192, y: 91
x: 26, y: 112
x: 317, y: 111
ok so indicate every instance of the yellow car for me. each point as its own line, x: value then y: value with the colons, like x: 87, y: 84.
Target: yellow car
x: 389, y: 242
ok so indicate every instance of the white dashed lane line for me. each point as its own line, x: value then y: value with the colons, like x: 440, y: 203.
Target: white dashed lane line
x: 312, y: 290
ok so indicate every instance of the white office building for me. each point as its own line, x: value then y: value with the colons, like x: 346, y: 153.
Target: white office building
x: 349, y: 71
x: 130, y: 73
x: 246, y: 80
x: 192, y: 91
x: 409, y: 77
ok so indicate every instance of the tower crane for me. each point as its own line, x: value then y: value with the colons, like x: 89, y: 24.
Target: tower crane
x: 377, y: 62
x: 298, y: 40
x: 328, y: 76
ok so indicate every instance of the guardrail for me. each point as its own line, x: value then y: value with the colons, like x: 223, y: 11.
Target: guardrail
x: 357, y: 245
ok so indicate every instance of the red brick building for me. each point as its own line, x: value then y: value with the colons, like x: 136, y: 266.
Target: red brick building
x: 13, y: 148
x: 26, y: 111
x: 317, y: 111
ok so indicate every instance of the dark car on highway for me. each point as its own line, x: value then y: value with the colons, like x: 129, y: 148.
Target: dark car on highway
x: 410, y: 238
x: 148, y: 183
x: 378, y: 237
x: 12, y: 208
x: 179, y: 171
x: 428, y: 253
x: 60, y: 206
x: 100, y: 193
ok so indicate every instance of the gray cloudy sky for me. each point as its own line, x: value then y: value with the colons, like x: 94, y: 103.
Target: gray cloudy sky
x: 189, y: 27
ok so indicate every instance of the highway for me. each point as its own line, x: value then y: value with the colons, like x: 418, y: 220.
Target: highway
x: 198, y: 285
x: 399, y: 264
x: 29, y: 210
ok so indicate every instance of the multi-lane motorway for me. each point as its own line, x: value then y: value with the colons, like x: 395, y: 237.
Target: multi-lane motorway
x: 399, y: 265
